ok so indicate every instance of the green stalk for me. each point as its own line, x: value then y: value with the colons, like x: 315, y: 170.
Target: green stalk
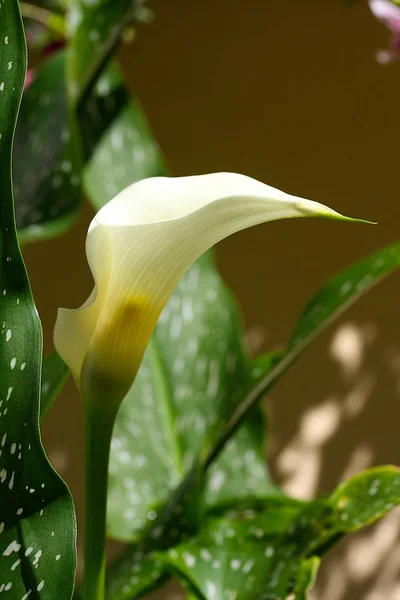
x: 98, y: 430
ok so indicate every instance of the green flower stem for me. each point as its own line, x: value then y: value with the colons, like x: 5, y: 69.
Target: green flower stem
x: 98, y: 430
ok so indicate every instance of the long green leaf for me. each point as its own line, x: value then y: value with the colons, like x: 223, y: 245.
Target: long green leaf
x: 126, y: 153
x: 327, y: 304
x: 269, y: 554
x: 96, y: 32
x: 47, y: 165
x: 185, y: 389
x: 46, y: 161
x: 37, y: 523
x: 49, y: 149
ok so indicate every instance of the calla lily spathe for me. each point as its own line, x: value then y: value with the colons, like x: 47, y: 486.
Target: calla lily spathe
x: 138, y: 247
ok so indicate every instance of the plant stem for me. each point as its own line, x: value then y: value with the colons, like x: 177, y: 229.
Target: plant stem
x: 52, y: 21
x: 98, y: 431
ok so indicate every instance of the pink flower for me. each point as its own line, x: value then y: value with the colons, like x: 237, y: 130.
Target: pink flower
x: 389, y: 14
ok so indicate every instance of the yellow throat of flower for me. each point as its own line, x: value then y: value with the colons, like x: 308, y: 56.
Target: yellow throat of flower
x: 117, y: 348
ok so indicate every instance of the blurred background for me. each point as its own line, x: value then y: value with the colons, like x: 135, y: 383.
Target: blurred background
x: 290, y: 93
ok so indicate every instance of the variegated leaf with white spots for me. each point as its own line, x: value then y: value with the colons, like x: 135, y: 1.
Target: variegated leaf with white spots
x: 37, y: 522
x: 47, y: 163
x: 126, y: 153
x: 96, y: 29
x: 46, y: 158
x: 194, y: 371
x: 271, y: 553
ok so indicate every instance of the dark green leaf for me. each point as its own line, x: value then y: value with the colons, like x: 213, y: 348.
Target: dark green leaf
x: 37, y: 524
x: 269, y: 554
x: 329, y: 302
x: 185, y: 390
x: 182, y: 393
x: 98, y: 28
x: 240, y: 557
x: 101, y: 111
x: 46, y: 156
x: 126, y: 153
x: 141, y: 574
x: 46, y: 160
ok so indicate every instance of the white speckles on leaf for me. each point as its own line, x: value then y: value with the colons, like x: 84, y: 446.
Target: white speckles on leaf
x: 211, y: 590
x: 189, y: 559
x: 205, y: 554
x: 269, y: 551
x: 14, y: 546
x: 235, y: 564
x: 217, y: 481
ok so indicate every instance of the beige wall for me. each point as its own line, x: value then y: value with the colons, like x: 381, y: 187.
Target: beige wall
x: 287, y: 92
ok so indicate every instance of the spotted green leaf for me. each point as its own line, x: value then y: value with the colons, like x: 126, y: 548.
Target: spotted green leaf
x: 151, y: 453
x: 126, y: 153
x: 37, y: 523
x: 101, y: 111
x: 47, y: 164
x: 183, y: 392
x: 142, y: 573
x: 194, y: 371
x: 269, y: 554
x: 96, y: 31
x: 46, y: 160
x: 327, y: 304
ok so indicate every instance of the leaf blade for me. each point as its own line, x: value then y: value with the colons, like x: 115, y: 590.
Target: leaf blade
x: 36, y: 511
x: 327, y: 304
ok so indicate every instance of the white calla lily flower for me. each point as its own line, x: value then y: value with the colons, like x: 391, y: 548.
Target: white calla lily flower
x: 138, y: 247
